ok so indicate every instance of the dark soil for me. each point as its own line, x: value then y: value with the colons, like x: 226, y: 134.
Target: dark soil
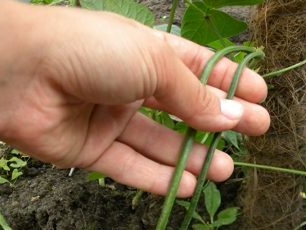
x: 47, y: 198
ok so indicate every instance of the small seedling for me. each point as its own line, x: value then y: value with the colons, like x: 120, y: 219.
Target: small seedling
x: 216, y: 219
x: 96, y: 176
x: 11, y: 169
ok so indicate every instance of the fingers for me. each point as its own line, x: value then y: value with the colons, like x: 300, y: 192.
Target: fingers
x: 252, y: 87
x: 126, y: 166
x: 255, y: 120
x: 180, y: 93
x: 163, y: 145
x: 186, y: 98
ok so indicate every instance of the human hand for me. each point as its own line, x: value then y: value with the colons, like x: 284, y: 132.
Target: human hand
x: 72, y: 82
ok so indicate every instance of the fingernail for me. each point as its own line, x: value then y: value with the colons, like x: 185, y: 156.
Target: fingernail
x: 231, y: 109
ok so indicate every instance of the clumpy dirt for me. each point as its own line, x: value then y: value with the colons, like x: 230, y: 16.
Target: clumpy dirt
x: 47, y: 198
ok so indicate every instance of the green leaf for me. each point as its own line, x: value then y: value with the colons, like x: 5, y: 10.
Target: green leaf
x: 16, y: 162
x: 166, y: 120
x: 195, y: 215
x: 3, y: 223
x: 222, y: 3
x: 202, y: 227
x: 41, y: 1
x: 181, y: 127
x: 204, y: 27
x: 147, y: 112
x: 176, y: 30
x: 3, y: 180
x: 127, y: 8
x: 220, y: 44
x: 233, y: 138
x: 202, y: 137
x: 15, y: 174
x: 212, y: 199
x: 15, y: 152
x: 3, y: 164
x: 226, y: 217
x: 95, y: 176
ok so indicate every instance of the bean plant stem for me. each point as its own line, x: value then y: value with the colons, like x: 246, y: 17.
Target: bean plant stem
x: 271, y: 168
x: 282, y: 71
x: 172, y: 15
x: 217, y: 136
x: 170, y: 199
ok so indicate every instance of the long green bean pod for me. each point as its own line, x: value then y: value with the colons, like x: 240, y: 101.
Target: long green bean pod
x: 170, y: 198
x: 217, y: 136
x: 189, y: 139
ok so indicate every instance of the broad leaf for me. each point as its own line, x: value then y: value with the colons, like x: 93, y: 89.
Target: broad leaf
x: 3, y: 164
x: 15, y: 162
x: 233, y: 138
x: 212, y: 199
x: 127, y: 8
x: 208, y: 25
x: 226, y: 217
x: 3, y: 180
x: 15, y: 174
x: 222, y: 3
x: 220, y: 44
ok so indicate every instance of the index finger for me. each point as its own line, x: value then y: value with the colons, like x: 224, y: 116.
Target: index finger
x: 252, y: 86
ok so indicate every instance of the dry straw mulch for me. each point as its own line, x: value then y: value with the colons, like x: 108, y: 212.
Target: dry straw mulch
x: 273, y: 200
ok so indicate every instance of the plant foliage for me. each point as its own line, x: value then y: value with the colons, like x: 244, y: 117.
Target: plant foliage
x: 11, y: 169
x: 222, y: 3
x: 203, y: 24
x: 212, y: 200
x: 127, y: 8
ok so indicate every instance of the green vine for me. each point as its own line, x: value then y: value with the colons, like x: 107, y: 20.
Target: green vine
x: 187, y: 147
x: 271, y: 168
x: 203, y: 175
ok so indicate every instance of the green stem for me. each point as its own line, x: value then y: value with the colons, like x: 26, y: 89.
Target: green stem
x: 271, y: 168
x: 172, y: 14
x: 170, y: 199
x: 282, y: 71
x: 217, y: 136
x: 201, y: 181
x: 74, y: 3
x: 189, y: 139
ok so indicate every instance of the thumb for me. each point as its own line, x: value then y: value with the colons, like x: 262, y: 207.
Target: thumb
x: 181, y: 93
